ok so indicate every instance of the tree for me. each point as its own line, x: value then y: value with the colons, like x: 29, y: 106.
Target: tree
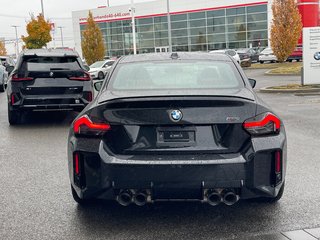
x: 3, y: 50
x: 38, y: 30
x: 285, y: 29
x: 92, y: 43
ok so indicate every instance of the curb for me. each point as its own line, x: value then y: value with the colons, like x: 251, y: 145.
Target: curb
x: 309, y: 90
x: 267, y: 73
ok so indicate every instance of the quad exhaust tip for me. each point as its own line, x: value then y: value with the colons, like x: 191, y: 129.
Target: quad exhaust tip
x: 213, y: 197
x: 140, y: 198
x: 125, y: 197
x: 230, y: 197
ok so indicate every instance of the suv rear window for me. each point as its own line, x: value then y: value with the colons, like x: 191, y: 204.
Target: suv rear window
x: 175, y: 75
x: 45, y: 64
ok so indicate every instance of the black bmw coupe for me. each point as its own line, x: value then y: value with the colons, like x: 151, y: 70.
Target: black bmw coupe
x: 177, y: 126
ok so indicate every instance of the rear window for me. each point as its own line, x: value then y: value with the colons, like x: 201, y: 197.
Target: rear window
x: 44, y: 64
x: 175, y: 75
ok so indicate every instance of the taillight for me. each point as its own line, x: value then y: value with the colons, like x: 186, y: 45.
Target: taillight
x: 88, y: 96
x: 16, y: 78
x: 84, y: 77
x: 84, y: 126
x: 263, y: 124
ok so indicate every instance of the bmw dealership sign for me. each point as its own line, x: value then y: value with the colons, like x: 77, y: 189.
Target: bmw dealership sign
x: 311, y: 55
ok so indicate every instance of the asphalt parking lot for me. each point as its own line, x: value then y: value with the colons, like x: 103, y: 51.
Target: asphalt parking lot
x: 36, y: 202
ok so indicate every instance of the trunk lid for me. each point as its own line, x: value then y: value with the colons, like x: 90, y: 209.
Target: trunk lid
x: 144, y: 125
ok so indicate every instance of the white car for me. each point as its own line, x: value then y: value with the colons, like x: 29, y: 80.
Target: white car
x: 98, y: 70
x: 229, y: 52
x: 267, y: 56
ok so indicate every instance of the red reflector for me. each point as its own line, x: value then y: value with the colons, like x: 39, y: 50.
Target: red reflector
x: 76, y: 164
x: 89, y: 96
x: 85, y: 77
x: 85, y: 121
x: 278, y: 162
x: 12, y: 99
x: 15, y: 78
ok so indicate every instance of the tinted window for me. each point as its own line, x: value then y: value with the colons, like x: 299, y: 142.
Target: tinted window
x: 50, y: 64
x: 170, y: 75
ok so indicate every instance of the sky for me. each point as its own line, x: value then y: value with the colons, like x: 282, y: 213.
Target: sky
x: 17, y: 12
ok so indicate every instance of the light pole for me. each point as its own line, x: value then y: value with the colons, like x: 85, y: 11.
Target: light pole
x: 42, y: 9
x: 17, y: 40
x: 132, y: 10
x: 169, y: 26
x: 61, y: 35
x: 108, y: 3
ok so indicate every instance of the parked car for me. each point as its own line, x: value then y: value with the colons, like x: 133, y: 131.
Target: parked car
x: 46, y: 80
x: 245, y: 53
x: 267, y: 56
x: 98, y: 70
x: 177, y: 126
x: 229, y: 52
x: 7, y: 61
x: 296, y: 55
x: 3, y: 77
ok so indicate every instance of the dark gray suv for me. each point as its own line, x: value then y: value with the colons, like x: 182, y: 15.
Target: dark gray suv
x: 47, y: 80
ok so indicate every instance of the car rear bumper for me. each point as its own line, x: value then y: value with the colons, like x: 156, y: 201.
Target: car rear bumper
x: 103, y: 175
x: 46, y: 103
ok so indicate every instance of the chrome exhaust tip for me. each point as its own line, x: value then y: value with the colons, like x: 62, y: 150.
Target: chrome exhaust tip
x: 230, y: 198
x: 213, y: 197
x: 125, y: 198
x: 140, y: 198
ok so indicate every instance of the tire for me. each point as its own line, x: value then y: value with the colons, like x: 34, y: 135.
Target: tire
x: 2, y: 87
x: 261, y: 62
x: 100, y: 75
x: 77, y: 199
x: 290, y: 60
x: 14, y: 117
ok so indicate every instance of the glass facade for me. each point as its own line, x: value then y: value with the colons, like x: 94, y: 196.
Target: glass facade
x: 195, y: 31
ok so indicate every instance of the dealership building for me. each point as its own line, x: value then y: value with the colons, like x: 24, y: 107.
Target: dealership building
x: 200, y: 25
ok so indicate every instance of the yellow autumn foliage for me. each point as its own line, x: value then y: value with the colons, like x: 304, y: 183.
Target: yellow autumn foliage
x: 3, y: 50
x: 92, y: 44
x: 38, y: 30
x: 285, y: 29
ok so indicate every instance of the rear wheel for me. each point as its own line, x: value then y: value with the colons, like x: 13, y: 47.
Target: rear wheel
x: 100, y: 75
x: 77, y: 199
x: 261, y: 62
x: 14, y: 117
x: 1, y: 87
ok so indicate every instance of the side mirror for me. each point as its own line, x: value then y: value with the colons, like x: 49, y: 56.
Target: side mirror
x: 87, y: 68
x: 9, y: 69
x: 98, y: 85
x: 252, y: 82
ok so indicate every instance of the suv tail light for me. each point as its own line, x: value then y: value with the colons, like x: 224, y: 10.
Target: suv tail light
x: 16, y: 78
x: 84, y: 77
x: 84, y: 126
x: 88, y: 96
x: 263, y: 124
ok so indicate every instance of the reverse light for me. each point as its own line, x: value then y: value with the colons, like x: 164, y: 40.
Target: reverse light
x: 85, y: 126
x: 84, y: 77
x: 263, y: 124
x: 16, y: 78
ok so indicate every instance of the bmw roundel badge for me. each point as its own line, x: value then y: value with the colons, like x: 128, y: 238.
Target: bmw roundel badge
x: 176, y: 115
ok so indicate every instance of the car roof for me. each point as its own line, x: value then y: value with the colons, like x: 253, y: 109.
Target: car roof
x: 179, y: 55
x: 50, y: 52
